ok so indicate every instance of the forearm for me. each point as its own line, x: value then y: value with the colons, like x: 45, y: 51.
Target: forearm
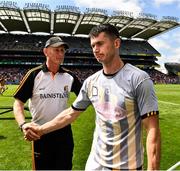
x: 153, y: 146
x: 63, y: 119
x: 18, y: 109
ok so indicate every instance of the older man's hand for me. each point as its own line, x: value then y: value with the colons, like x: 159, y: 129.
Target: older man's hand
x: 30, y: 131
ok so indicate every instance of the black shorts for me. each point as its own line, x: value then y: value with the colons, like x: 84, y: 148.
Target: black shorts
x: 54, y: 151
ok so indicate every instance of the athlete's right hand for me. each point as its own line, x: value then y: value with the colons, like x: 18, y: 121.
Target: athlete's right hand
x: 29, y: 133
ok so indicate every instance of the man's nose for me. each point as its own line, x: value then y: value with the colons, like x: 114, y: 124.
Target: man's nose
x: 95, y: 49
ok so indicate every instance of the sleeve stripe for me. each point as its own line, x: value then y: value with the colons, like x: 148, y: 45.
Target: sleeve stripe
x: 77, y: 108
x: 25, y: 78
x: 152, y: 113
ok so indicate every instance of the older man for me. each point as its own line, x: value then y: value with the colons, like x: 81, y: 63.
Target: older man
x: 47, y: 87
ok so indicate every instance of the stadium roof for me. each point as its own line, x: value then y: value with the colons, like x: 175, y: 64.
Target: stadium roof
x: 69, y: 20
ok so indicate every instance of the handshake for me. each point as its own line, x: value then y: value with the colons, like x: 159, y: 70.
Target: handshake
x: 32, y: 131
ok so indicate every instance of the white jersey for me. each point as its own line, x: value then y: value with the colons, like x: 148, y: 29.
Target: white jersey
x: 120, y: 101
x: 47, y: 96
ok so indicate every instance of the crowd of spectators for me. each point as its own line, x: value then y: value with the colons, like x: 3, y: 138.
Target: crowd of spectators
x: 14, y: 75
x: 36, y: 43
x: 19, y: 50
x: 161, y: 78
x: 78, y: 45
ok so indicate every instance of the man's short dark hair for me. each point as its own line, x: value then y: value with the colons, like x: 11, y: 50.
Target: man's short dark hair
x: 109, y: 29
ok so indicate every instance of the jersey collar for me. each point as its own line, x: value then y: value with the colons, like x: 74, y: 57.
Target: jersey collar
x: 45, y: 68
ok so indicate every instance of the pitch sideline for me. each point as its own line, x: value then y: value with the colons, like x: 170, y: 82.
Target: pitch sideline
x: 170, y: 103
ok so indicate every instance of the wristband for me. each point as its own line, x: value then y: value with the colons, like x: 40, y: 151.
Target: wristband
x: 21, y: 125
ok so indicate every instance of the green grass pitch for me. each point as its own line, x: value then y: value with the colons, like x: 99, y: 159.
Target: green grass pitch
x: 15, y: 153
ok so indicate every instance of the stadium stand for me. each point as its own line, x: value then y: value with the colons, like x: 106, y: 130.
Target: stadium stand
x: 173, y: 68
x: 21, y: 51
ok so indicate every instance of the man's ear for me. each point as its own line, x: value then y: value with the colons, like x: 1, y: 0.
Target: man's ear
x: 117, y: 43
x: 45, y: 51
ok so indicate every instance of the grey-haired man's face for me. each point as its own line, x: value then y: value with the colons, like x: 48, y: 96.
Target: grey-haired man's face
x: 55, y: 55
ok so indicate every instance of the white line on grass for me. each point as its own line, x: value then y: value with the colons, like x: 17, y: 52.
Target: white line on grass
x: 174, y: 166
x: 168, y: 103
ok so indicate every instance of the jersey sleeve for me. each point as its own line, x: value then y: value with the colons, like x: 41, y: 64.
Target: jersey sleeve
x: 146, y: 98
x: 24, y: 90
x: 82, y: 101
x: 76, y: 86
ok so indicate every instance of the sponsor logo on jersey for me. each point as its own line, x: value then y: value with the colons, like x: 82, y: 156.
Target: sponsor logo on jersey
x: 53, y: 95
x: 65, y: 94
x: 42, y: 88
